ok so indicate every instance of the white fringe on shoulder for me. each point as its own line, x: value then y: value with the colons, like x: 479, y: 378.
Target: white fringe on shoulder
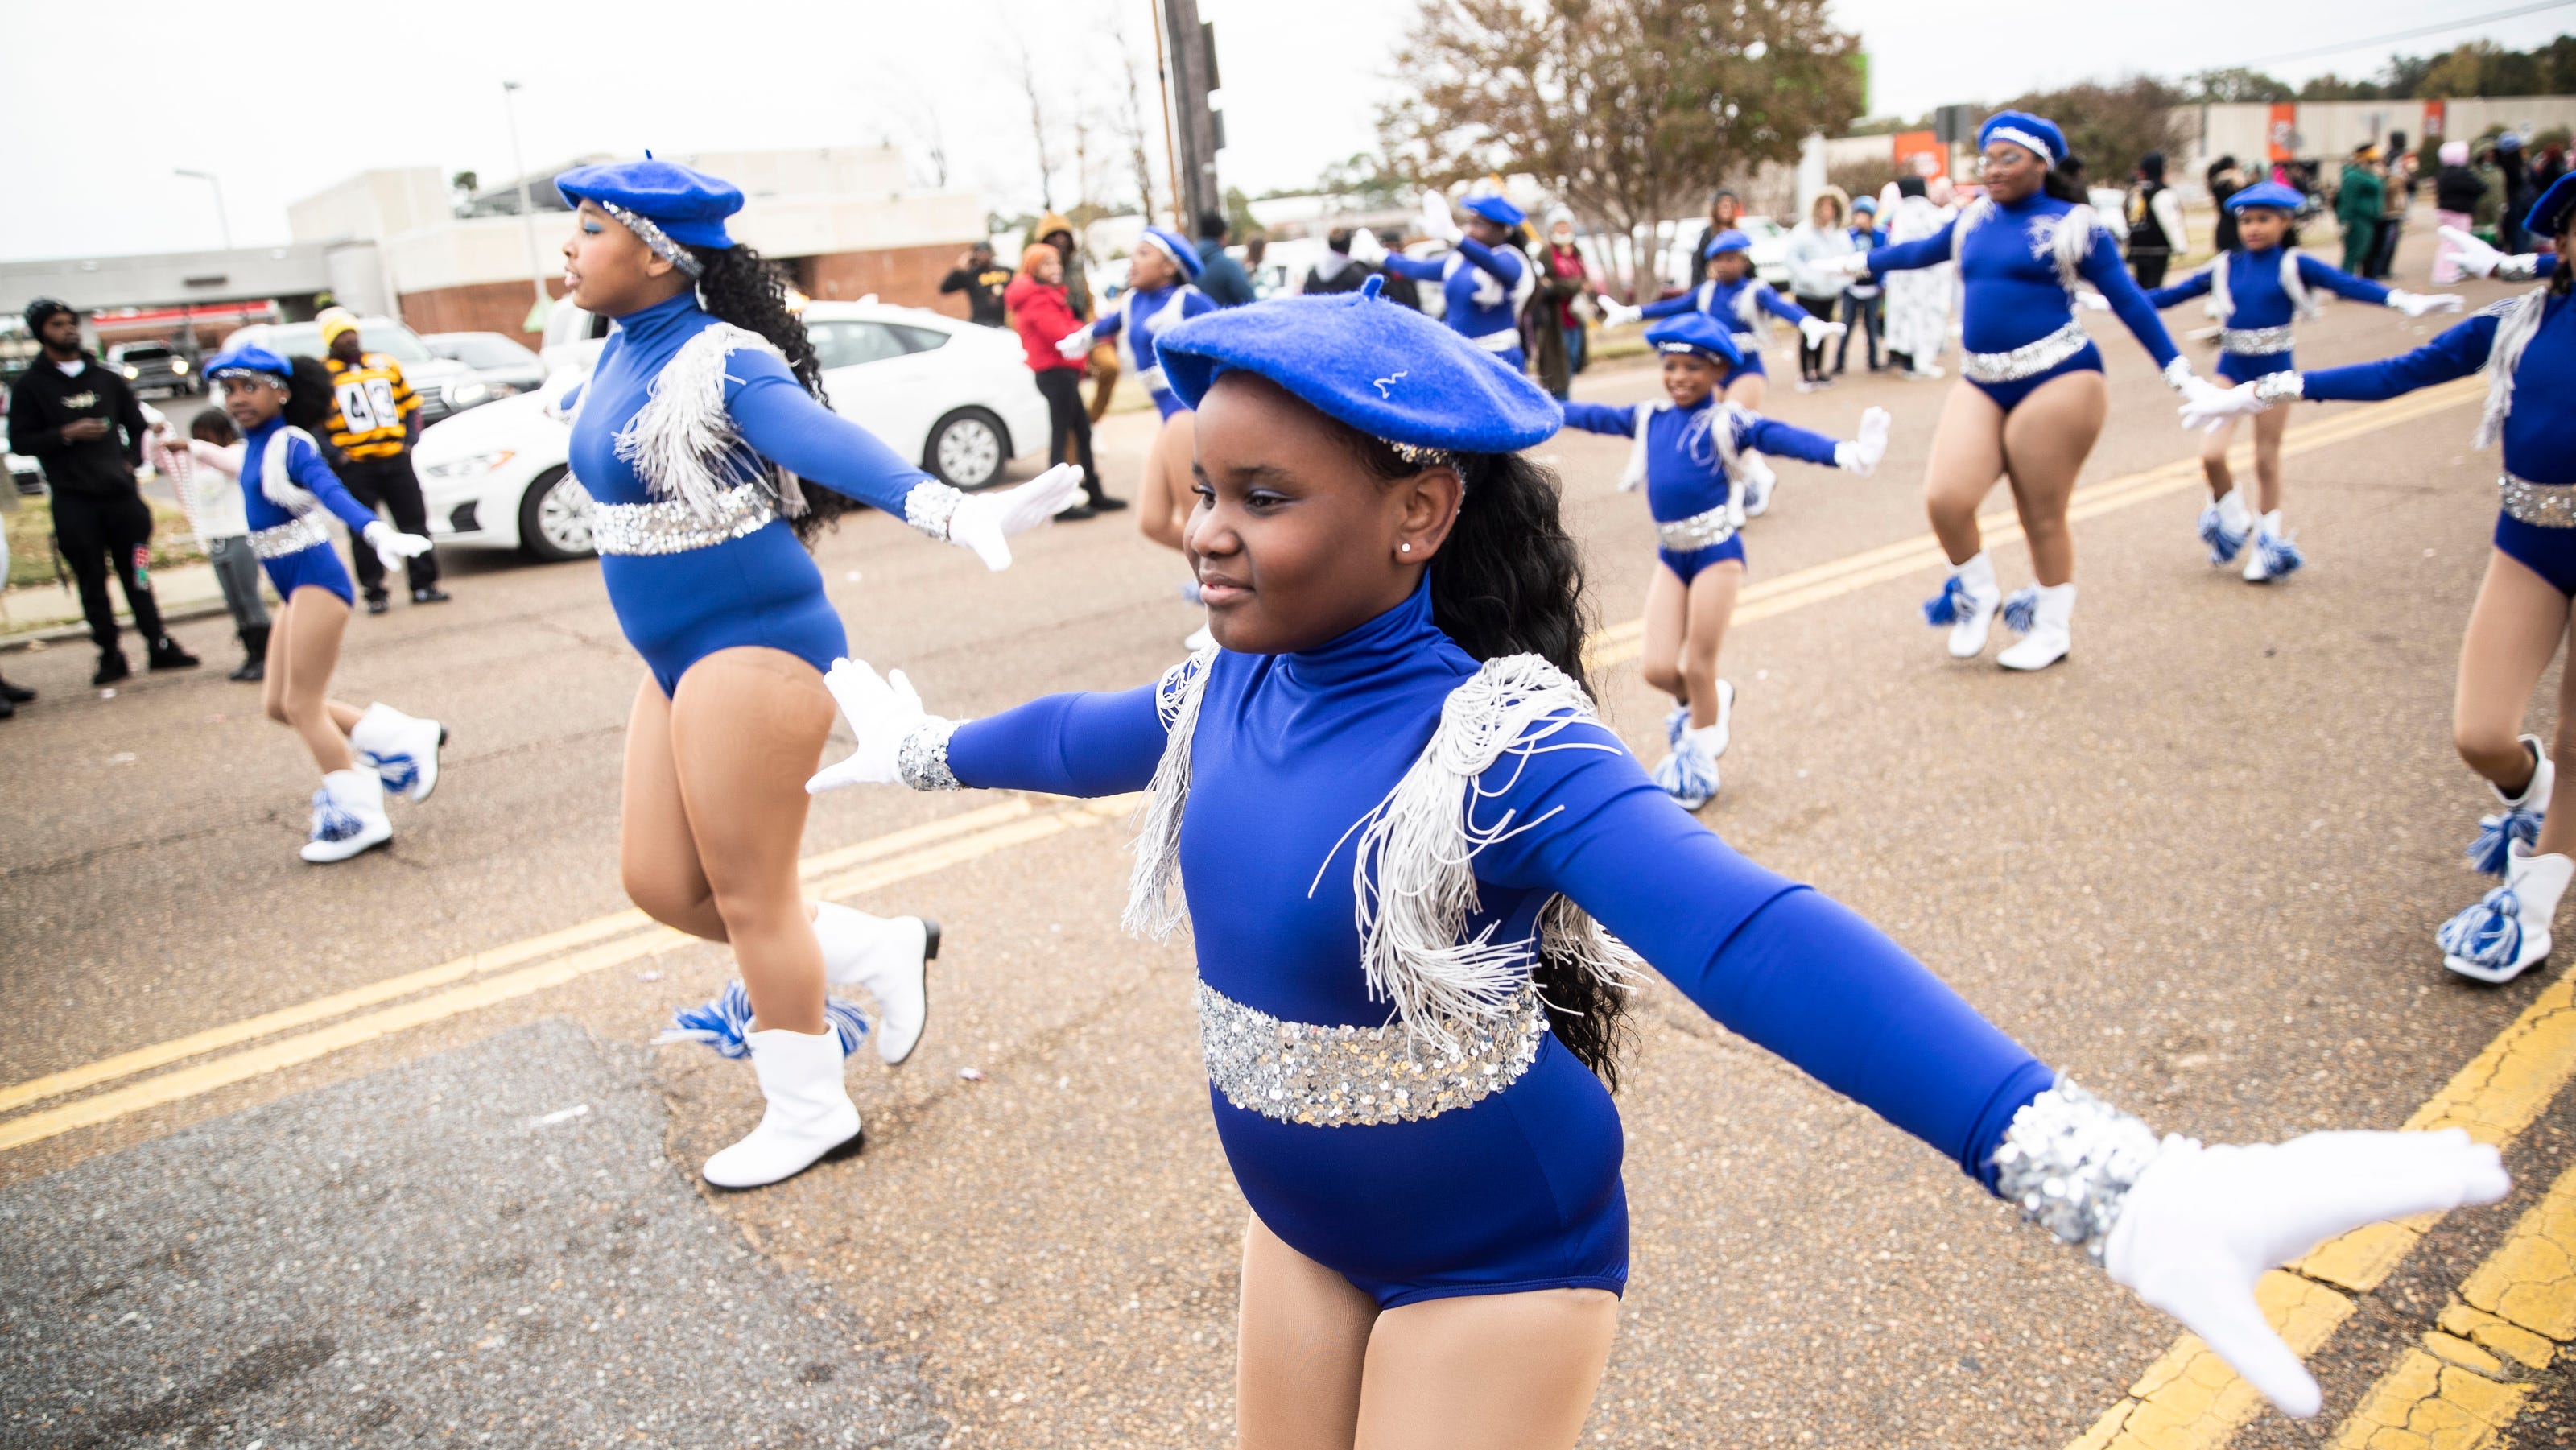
x: 2065, y: 240
x: 2516, y: 320
x: 277, y: 476
x: 1155, y: 905
x: 683, y: 441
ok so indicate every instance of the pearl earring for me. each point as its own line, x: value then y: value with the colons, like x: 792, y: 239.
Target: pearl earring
x: 1405, y: 549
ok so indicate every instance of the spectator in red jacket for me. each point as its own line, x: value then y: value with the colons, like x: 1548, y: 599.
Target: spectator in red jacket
x: 1042, y: 312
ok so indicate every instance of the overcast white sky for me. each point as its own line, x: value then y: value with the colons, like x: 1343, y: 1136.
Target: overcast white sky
x: 100, y: 102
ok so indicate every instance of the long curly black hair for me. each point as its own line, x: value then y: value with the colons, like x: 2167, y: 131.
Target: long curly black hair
x: 1509, y: 581
x: 741, y: 287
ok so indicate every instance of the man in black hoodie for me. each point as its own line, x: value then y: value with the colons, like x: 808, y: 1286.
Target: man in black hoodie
x: 67, y: 413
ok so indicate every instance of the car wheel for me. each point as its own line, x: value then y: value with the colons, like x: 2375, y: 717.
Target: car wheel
x: 967, y: 449
x: 554, y: 517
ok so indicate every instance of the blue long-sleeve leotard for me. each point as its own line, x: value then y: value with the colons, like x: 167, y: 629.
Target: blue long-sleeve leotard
x: 2256, y: 299
x: 2539, y: 430
x: 1456, y: 273
x: 315, y: 564
x: 1521, y: 1189
x: 1685, y: 470
x: 761, y: 589
x: 1152, y: 312
x: 2014, y: 295
x: 1729, y: 302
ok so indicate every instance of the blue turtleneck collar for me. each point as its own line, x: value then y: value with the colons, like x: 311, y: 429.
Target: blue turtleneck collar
x: 1392, y: 643
x: 663, y: 319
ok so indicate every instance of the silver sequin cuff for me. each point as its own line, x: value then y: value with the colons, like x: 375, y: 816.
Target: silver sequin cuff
x: 292, y: 537
x: 2069, y: 1160
x: 930, y: 506
x: 656, y: 241
x: 2521, y: 268
x: 2028, y: 360
x: 2285, y: 386
x: 2548, y: 505
x: 922, y: 759
x: 1301, y: 1072
x: 2177, y: 372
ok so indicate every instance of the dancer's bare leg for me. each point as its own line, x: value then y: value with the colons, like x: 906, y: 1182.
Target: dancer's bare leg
x: 1748, y: 390
x: 2046, y: 441
x: 1496, y: 1371
x: 2514, y: 630
x: 1712, y: 604
x: 2268, y: 428
x: 1967, y: 458
x: 1667, y: 618
x: 1164, y: 499
x: 303, y: 650
x: 2213, y: 456
x: 655, y: 852
x: 2558, y: 829
x: 1300, y: 1350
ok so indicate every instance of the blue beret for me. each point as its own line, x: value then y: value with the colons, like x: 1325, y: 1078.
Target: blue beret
x: 1495, y: 209
x: 1384, y: 369
x: 248, y: 357
x: 1695, y: 331
x: 2031, y: 133
x: 689, y: 206
x: 2266, y: 193
x: 1729, y: 240
x: 1178, y: 248
x: 2550, y: 212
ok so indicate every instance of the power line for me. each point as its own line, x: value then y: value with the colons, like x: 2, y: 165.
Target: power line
x: 2462, y: 24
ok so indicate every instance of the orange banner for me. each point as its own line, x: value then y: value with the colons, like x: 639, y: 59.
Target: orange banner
x: 1920, y: 153
x: 2436, y: 118
x: 2283, y: 132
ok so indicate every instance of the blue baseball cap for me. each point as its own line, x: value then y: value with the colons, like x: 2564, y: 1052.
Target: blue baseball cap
x: 688, y: 205
x: 1696, y: 331
x: 1384, y: 369
x: 2035, y: 134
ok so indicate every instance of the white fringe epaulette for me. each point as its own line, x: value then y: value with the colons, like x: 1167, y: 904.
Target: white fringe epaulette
x: 683, y: 442
x: 277, y: 480
x: 1155, y: 905
x: 1414, y: 876
x: 2222, y: 301
x: 2065, y: 240
x: 2517, y: 318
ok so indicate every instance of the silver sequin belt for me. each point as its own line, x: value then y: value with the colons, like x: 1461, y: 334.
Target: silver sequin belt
x: 2254, y: 341
x: 671, y: 526
x: 1699, y: 531
x: 2548, y: 505
x: 2028, y: 360
x: 1299, y: 1072
x: 292, y: 537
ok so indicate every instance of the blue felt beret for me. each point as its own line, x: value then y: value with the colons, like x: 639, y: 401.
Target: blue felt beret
x: 1384, y: 369
x: 2266, y: 193
x: 1172, y: 244
x: 1496, y: 209
x: 1695, y: 331
x: 248, y: 357
x: 2031, y: 133
x: 1729, y: 240
x: 689, y: 206
x: 2550, y: 212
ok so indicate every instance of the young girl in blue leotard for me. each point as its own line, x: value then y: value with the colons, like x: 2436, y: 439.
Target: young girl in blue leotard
x: 1486, y: 279
x: 1414, y: 862
x: 2034, y: 398
x: 287, y: 492
x: 710, y: 456
x: 1688, y: 458
x: 2527, y: 348
x: 2257, y: 292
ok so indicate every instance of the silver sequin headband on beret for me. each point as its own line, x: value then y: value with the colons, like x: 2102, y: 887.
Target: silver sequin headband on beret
x: 655, y: 240
x: 1420, y: 456
x: 2026, y: 141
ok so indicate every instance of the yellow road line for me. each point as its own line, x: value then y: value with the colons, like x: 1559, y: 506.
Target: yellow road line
x: 1852, y: 573
x: 936, y: 855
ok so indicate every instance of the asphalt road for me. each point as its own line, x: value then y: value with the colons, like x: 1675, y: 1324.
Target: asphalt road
x: 2198, y: 867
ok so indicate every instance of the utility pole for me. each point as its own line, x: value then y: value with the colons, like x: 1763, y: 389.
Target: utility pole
x: 1199, y: 133
x: 527, y: 212
x: 223, y: 219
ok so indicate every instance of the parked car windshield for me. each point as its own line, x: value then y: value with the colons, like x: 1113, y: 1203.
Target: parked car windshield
x: 847, y: 344
x: 141, y: 352
x: 481, y: 350
x: 304, y: 339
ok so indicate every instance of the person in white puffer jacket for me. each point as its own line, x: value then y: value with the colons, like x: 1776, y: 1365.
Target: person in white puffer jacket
x: 1821, y: 237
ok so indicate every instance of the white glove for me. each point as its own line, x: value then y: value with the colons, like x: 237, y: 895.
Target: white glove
x: 2416, y: 304
x: 2202, y: 1224
x: 1818, y: 331
x: 882, y: 712
x: 1437, y: 223
x: 1861, y: 455
x: 1615, y: 313
x: 1074, y: 345
x: 2475, y: 257
x: 2092, y: 301
x: 2206, y: 405
x: 1848, y: 264
x: 393, y: 548
x: 983, y: 520
x: 1366, y: 249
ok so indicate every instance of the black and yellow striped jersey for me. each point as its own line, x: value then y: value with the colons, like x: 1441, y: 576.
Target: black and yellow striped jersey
x: 371, y: 406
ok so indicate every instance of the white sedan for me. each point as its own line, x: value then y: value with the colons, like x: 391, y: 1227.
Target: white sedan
x: 957, y: 397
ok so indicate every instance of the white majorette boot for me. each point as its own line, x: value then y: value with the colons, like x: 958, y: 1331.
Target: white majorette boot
x: 2520, y: 820
x: 400, y: 748
x: 348, y: 817
x: 2273, y: 555
x: 2225, y: 526
x: 1714, y: 738
x: 2046, y: 618
x: 888, y: 956
x: 2505, y: 934
x: 809, y: 1115
x: 1758, y: 480
x: 1967, y: 604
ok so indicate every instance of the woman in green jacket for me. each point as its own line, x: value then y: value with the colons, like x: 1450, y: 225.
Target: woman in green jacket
x: 2358, y: 200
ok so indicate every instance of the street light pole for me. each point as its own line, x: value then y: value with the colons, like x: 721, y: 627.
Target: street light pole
x: 223, y: 219
x: 527, y: 208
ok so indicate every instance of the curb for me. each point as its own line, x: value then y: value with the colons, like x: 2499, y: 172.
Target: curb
x: 55, y: 634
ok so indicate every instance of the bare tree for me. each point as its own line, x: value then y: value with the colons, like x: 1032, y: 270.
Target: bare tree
x: 915, y: 116
x: 1130, y: 122
x: 1037, y: 124
x: 2111, y: 126
x: 1628, y: 109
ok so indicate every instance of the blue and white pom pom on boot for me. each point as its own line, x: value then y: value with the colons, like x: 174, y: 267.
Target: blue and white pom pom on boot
x: 1967, y: 604
x: 2520, y: 820
x: 2273, y: 555
x: 1689, y: 775
x: 401, y: 749
x: 2046, y: 619
x: 2507, y: 933
x: 2225, y: 526
x: 348, y: 817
